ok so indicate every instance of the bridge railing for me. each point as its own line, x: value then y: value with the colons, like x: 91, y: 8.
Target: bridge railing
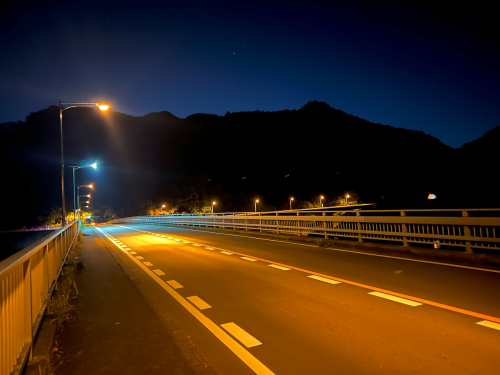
x: 466, y: 228
x: 26, y: 279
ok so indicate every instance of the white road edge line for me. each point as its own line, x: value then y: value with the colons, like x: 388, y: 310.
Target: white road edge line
x: 324, y: 279
x: 279, y: 267
x: 199, y: 303
x: 396, y: 299
x: 487, y: 323
x: 243, y: 336
x: 174, y: 284
x: 243, y: 354
x: 345, y: 251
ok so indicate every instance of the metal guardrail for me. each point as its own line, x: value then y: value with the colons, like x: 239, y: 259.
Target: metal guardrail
x: 25, y: 279
x: 467, y: 228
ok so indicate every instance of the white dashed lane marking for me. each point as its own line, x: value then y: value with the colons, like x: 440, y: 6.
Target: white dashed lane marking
x: 324, y: 279
x: 226, y: 252
x: 278, y: 267
x: 487, y: 323
x: 139, y: 257
x: 209, y: 248
x: 159, y: 272
x: 147, y: 264
x: 128, y: 248
x: 241, y: 335
x: 396, y: 299
x: 174, y: 284
x: 250, y: 259
x: 199, y: 303
x: 133, y: 252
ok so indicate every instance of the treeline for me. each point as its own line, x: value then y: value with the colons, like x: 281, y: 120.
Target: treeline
x: 235, y: 159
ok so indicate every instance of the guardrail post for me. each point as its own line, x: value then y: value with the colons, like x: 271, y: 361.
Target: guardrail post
x: 468, y: 248
x: 298, y: 224
x: 405, y: 230
x: 360, y: 228
x: 277, y: 224
x: 324, y: 225
x: 246, y: 222
x: 260, y: 222
x: 28, y: 308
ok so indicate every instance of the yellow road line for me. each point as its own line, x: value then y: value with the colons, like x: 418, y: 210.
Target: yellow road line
x: 258, y: 367
x: 417, y: 299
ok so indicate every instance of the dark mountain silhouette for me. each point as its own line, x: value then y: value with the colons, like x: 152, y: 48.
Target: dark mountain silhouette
x: 236, y: 158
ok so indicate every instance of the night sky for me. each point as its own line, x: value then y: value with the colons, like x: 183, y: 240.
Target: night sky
x: 420, y: 66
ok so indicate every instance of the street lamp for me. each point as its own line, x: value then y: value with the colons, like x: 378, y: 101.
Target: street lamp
x: 102, y: 107
x: 78, y: 194
x: 347, y: 196
x: 74, y: 167
x: 321, y: 200
x: 291, y: 199
x: 256, y: 201
x: 213, y: 204
x: 161, y: 208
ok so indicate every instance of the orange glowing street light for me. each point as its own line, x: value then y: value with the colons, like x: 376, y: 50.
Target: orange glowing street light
x: 321, y: 200
x: 256, y: 201
x: 347, y: 196
x: 161, y: 208
x: 291, y: 199
x: 213, y: 204
x: 63, y: 107
x: 91, y: 186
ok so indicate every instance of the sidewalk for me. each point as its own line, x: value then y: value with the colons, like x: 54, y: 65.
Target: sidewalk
x: 116, y: 332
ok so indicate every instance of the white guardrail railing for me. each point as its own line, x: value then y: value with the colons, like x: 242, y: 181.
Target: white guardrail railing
x: 466, y: 228
x: 26, y: 278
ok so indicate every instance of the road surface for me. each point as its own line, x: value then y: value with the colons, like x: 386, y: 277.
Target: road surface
x: 265, y: 306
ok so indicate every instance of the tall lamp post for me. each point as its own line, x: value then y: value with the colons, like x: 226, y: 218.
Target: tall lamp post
x: 102, y: 107
x: 161, y: 208
x: 321, y: 200
x: 256, y: 201
x: 347, y: 196
x: 213, y: 204
x: 94, y: 165
x: 291, y: 199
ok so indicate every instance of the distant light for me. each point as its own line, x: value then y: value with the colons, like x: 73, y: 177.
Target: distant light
x: 94, y: 165
x: 256, y: 201
x: 103, y: 107
x: 291, y: 199
x: 91, y: 186
x: 163, y: 206
x: 348, y: 196
x: 213, y: 202
x: 431, y: 196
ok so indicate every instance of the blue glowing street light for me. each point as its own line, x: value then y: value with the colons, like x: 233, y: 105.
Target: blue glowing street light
x: 93, y: 165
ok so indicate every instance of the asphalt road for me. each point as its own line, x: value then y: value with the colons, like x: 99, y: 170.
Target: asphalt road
x: 300, y: 309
